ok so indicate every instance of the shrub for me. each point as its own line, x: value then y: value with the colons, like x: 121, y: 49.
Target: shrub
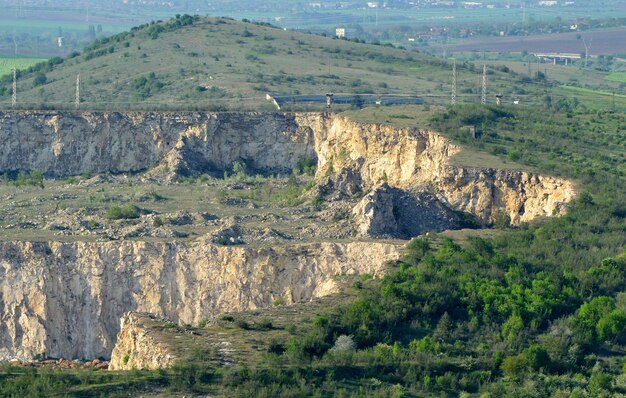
x: 612, y: 326
x: 242, y: 324
x: 264, y: 324
x: 128, y: 211
x: 239, y: 171
x: 344, y: 344
x: 40, y: 79
x: 34, y: 178
x: 305, y: 165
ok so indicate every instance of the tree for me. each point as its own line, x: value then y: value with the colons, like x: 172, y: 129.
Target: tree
x: 612, y: 326
x: 344, y: 344
x: 589, y: 314
x: 357, y: 102
x: 40, y: 79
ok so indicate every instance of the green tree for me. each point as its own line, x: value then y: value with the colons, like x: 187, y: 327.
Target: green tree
x: 40, y: 79
x: 612, y: 326
x: 589, y: 314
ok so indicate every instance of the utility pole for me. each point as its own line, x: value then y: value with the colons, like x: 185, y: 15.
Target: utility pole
x: 453, y: 100
x: 14, y: 96
x: 587, y: 48
x: 483, y: 99
x: 613, y: 102
x: 77, y: 91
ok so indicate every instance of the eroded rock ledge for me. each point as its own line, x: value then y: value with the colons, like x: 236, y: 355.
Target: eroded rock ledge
x: 356, y: 156
x: 139, y: 346
x: 66, y: 299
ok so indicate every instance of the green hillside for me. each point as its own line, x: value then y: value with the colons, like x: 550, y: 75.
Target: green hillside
x: 208, y: 63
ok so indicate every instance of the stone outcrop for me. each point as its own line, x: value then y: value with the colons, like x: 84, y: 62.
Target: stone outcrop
x: 358, y: 156
x: 363, y: 156
x: 138, y: 346
x: 70, y: 143
x: 392, y: 212
x: 66, y: 299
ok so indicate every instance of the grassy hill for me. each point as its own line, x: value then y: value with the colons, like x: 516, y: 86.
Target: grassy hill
x: 209, y: 63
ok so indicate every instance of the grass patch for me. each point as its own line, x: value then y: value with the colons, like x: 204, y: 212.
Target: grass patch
x: 8, y: 63
x: 594, y: 99
x: 616, y: 77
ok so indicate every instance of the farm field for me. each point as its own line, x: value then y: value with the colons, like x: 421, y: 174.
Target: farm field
x: 617, y: 77
x: 7, y: 64
x: 594, y: 99
x: 604, y: 42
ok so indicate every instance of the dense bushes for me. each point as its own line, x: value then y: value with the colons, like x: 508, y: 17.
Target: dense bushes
x: 22, y: 178
x: 128, y: 211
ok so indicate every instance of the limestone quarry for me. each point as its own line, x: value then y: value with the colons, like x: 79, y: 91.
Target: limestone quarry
x: 69, y: 274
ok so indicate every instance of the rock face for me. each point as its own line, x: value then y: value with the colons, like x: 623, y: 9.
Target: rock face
x: 392, y: 212
x: 66, y: 299
x: 357, y: 156
x: 365, y: 155
x: 66, y: 143
x: 137, y: 347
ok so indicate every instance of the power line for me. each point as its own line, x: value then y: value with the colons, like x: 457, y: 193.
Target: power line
x: 77, y: 91
x: 14, y: 96
x: 483, y: 99
x: 453, y: 100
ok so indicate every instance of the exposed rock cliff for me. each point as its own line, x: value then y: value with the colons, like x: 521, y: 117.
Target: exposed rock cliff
x: 66, y: 143
x: 361, y: 155
x: 66, y: 299
x: 365, y: 155
x: 138, y: 346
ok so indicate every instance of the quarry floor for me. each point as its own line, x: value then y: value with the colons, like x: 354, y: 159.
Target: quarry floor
x: 235, y: 210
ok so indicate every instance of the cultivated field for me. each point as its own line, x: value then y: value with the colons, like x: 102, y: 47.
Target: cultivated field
x: 603, y: 42
x: 7, y: 64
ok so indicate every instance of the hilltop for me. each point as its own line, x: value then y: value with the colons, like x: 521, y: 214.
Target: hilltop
x: 201, y: 63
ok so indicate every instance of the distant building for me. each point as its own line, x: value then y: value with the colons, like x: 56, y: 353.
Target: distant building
x: 344, y: 33
x: 548, y: 3
x: 60, y: 41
